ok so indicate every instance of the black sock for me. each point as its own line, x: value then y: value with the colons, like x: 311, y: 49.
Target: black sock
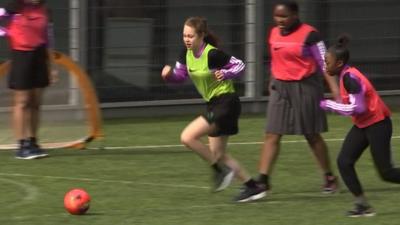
x: 264, y: 179
x: 21, y: 143
x: 32, y: 139
x: 251, y: 183
x: 328, y: 174
x: 216, y: 167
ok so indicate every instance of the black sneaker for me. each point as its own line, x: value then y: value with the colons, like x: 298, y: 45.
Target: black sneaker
x: 248, y: 194
x: 39, y: 152
x: 331, y: 185
x: 223, y: 178
x: 28, y: 153
x: 35, y: 149
x: 361, y: 210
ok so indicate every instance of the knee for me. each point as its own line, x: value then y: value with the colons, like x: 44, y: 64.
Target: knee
x: 272, y: 138
x: 390, y: 175
x: 186, y: 139
x: 34, y: 104
x: 343, y: 163
x: 313, y: 139
x: 22, y: 104
x: 220, y: 156
x: 35, y: 107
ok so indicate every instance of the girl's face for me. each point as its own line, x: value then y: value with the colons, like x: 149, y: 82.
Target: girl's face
x: 191, y: 39
x: 333, y: 66
x: 283, y: 17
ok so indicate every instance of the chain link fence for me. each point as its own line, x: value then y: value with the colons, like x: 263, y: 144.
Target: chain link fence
x: 123, y: 44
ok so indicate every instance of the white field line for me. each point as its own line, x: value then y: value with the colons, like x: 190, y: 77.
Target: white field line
x: 230, y: 143
x: 129, y: 182
x: 30, y: 191
x: 144, y: 183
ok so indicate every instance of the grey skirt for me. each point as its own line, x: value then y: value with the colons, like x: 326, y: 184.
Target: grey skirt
x: 293, y: 107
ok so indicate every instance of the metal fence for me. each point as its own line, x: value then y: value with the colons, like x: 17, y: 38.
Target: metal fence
x: 123, y: 44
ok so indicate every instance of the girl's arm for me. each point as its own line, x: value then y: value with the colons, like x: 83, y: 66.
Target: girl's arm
x: 356, y: 98
x: 225, y: 66
x: 317, y: 50
x: 233, y: 69
x: 179, y: 73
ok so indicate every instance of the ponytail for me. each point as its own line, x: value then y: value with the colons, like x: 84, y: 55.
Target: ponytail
x: 340, y: 50
x: 343, y: 40
x: 211, y: 39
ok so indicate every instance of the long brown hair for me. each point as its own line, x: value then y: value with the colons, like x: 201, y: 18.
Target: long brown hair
x: 200, y: 26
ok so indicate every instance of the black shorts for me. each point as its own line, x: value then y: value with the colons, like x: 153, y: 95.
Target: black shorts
x: 224, y: 111
x: 29, y: 69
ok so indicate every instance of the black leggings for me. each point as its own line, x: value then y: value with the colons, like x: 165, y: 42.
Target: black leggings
x: 378, y: 137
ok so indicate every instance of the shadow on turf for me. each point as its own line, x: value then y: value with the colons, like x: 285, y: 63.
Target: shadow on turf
x: 291, y: 196
x: 93, y: 214
x: 110, y: 152
x: 342, y: 190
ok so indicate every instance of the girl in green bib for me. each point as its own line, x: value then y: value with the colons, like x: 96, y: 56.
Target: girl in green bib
x: 211, y: 71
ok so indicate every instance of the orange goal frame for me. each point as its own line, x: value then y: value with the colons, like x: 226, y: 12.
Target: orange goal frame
x: 89, y: 97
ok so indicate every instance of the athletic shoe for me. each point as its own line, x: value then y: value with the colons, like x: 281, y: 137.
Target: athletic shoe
x: 361, y: 210
x: 223, y: 178
x: 331, y: 185
x: 38, y: 151
x: 30, y: 152
x: 248, y: 194
x: 27, y: 153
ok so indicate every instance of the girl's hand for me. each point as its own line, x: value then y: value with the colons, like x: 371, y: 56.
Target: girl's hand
x: 166, y: 72
x: 219, y: 75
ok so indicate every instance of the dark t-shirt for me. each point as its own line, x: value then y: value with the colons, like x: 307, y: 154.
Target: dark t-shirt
x: 351, y: 85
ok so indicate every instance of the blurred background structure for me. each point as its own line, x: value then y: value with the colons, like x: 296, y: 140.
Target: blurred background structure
x: 123, y: 44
